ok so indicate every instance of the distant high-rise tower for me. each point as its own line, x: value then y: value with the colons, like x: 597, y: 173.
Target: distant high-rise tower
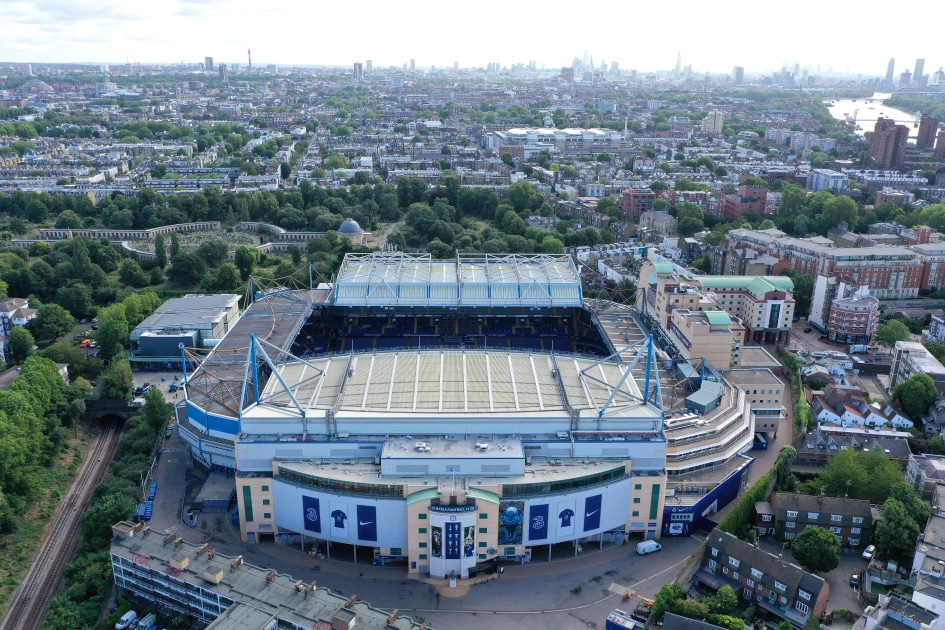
x: 208, y: 64
x: 249, y: 58
x: 905, y: 79
x: 917, y: 73
x: 224, y: 73
x: 738, y: 75
x: 370, y: 68
x: 928, y: 127
x: 889, y: 72
x: 358, y: 74
x: 678, y: 69
x: 413, y: 65
x: 940, y: 145
x: 888, y: 144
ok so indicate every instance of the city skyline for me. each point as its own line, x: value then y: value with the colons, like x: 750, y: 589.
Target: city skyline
x: 82, y: 31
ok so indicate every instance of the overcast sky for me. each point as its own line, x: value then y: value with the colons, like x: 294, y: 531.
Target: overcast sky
x: 712, y: 37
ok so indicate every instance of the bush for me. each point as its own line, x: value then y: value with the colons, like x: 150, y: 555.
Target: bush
x: 740, y: 515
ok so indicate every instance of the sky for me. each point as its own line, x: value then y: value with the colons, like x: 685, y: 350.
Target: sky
x: 712, y: 37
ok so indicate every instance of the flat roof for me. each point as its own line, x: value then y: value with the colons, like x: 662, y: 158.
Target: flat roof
x: 751, y: 377
x: 247, y: 585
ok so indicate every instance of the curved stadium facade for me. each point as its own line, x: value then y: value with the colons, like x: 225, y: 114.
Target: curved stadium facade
x: 441, y: 413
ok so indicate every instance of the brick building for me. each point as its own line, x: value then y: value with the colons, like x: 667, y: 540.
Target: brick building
x: 851, y: 520
x: 634, y: 202
x: 928, y: 128
x: 747, y: 199
x: 888, y: 144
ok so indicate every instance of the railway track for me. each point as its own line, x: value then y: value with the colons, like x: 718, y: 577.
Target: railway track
x: 60, y: 538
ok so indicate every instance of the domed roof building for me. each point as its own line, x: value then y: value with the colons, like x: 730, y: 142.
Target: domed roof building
x: 350, y: 228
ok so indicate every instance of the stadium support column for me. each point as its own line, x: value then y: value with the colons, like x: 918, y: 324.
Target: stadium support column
x: 649, y: 363
x: 183, y: 365
x: 252, y: 360
x: 310, y: 287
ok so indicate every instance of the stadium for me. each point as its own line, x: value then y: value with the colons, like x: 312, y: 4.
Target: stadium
x: 444, y: 414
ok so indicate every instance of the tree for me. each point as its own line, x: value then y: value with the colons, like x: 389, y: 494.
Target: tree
x: 665, y: 598
x: 845, y: 474
x: 896, y: 533
x: 187, y: 269
x: 889, y: 333
x: 161, y: 250
x: 117, y: 382
x: 916, y: 394
x: 919, y: 510
x: 703, y: 263
x: 725, y: 601
x: 131, y: 274
x: 213, y: 252
x: 175, y: 244
x: 112, y: 333
x: 52, y: 321
x: 285, y: 170
x: 817, y: 549
x: 245, y: 259
x: 21, y: 344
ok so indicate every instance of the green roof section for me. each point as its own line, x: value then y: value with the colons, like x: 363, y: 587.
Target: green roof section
x: 759, y: 285
x: 423, y: 495
x: 718, y: 318
x: 663, y: 268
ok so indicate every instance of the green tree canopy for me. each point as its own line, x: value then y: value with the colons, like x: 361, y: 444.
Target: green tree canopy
x: 52, y: 321
x: 187, y: 269
x: 896, y: 533
x: 245, y: 259
x: 916, y: 394
x: 817, y: 549
x: 21, y: 344
x: 889, y: 333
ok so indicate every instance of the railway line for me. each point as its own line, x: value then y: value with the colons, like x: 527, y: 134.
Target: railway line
x: 26, y: 609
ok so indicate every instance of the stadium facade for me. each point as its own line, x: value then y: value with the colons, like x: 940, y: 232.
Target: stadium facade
x: 442, y: 413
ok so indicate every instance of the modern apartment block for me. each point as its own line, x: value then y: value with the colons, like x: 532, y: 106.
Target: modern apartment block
x: 888, y: 144
x: 634, y: 202
x: 911, y: 358
x: 175, y: 577
x: 928, y: 128
x: 747, y: 199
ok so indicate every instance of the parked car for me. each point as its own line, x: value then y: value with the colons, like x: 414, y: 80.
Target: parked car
x: 868, y: 552
x: 126, y: 620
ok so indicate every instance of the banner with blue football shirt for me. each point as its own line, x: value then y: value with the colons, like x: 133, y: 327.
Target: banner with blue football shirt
x: 367, y: 523
x: 538, y: 522
x: 592, y: 512
x: 311, y: 515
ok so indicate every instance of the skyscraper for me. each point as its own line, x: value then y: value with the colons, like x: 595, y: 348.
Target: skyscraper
x: 358, y: 74
x: 888, y: 144
x: 224, y: 73
x: 738, y: 75
x: 208, y: 64
x: 249, y: 57
x: 678, y: 69
x: 889, y: 72
x: 413, y: 65
x: 917, y: 73
x: 370, y: 68
x: 928, y: 128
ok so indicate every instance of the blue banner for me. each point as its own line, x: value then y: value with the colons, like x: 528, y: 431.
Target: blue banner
x: 367, y: 523
x: 311, y: 515
x: 454, y: 541
x: 538, y: 522
x: 592, y: 512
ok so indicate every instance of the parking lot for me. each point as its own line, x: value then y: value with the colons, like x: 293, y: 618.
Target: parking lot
x: 161, y: 380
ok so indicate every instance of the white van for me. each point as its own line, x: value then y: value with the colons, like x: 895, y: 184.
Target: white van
x: 648, y: 546
x: 126, y: 620
x: 148, y: 621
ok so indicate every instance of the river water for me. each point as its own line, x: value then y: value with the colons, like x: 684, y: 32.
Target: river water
x: 867, y: 110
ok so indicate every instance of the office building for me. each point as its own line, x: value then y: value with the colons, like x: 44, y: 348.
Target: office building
x: 208, y: 64
x: 928, y: 129
x: 738, y: 75
x: 174, y: 577
x: 917, y: 74
x: 888, y: 144
x: 358, y: 72
x: 889, y: 73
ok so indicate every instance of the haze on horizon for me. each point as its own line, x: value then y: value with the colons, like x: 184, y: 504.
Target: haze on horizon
x: 712, y: 38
